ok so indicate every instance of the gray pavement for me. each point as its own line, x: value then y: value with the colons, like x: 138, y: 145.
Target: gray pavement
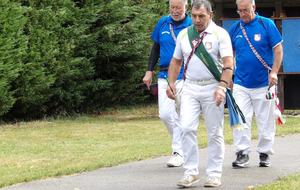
x: 152, y: 174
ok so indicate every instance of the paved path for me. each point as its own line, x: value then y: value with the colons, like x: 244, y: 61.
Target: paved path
x: 153, y: 175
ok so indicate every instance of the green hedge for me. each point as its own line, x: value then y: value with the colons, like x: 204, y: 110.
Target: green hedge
x: 64, y: 57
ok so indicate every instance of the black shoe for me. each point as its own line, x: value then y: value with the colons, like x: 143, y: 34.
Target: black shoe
x: 242, y: 160
x: 264, y: 160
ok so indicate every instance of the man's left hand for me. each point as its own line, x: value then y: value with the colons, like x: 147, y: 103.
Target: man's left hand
x: 220, y: 95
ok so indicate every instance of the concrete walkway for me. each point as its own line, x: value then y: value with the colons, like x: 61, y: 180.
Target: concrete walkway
x: 152, y: 174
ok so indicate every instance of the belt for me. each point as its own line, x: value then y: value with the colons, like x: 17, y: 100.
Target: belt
x: 202, y: 82
x: 163, y: 68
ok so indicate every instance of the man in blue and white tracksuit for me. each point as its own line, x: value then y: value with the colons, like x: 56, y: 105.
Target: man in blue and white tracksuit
x: 164, y: 38
x: 257, y: 44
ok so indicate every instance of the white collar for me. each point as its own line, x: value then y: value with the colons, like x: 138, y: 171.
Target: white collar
x: 211, y: 27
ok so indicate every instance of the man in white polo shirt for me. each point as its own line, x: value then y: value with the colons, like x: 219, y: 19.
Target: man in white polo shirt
x: 202, y: 92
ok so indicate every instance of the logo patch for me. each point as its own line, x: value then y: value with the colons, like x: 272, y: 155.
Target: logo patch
x: 257, y: 37
x: 165, y: 32
x: 238, y: 36
x: 208, y: 45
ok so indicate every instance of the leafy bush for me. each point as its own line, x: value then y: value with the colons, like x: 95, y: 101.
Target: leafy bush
x: 64, y: 56
x: 13, y: 48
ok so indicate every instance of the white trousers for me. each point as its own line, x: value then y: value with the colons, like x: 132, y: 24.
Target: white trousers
x: 168, y: 114
x: 196, y: 99
x: 254, y: 101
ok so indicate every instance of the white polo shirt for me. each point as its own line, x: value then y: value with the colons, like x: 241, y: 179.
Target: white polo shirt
x: 217, y: 43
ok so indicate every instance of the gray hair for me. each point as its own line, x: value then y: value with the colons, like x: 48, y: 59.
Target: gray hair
x: 202, y: 3
x: 252, y: 1
x: 185, y: 2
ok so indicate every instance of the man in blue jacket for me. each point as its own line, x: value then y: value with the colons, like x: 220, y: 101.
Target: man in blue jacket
x: 164, y: 38
x: 258, y: 52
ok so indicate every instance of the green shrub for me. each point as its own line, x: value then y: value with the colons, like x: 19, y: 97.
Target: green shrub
x: 13, y: 48
x: 64, y: 56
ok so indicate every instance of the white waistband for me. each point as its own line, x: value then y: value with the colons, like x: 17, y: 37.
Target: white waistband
x: 202, y: 82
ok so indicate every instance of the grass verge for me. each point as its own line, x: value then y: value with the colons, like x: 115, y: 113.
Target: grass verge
x: 290, y: 182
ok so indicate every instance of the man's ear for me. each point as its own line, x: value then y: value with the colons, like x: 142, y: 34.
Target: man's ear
x: 254, y: 7
x: 211, y: 14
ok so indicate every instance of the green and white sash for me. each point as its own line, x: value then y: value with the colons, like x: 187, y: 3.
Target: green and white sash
x: 199, y: 50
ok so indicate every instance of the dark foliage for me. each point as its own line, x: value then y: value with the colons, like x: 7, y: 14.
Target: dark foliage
x: 80, y: 56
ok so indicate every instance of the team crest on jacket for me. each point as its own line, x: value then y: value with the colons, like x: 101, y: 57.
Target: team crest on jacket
x: 208, y: 45
x: 257, y: 37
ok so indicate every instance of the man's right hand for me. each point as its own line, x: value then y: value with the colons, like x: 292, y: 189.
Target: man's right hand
x: 171, y: 91
x: 148, y: 79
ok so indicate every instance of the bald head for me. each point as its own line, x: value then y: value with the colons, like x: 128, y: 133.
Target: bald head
x: 251, y: 1
x: 184, y: 2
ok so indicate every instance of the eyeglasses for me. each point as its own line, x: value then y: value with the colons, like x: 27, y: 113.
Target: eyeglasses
x: 246, y: 11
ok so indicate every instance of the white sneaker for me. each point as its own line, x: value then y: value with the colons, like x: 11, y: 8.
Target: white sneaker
x: 188, y: 180
x: 212, y: 182
x: 175, y: 161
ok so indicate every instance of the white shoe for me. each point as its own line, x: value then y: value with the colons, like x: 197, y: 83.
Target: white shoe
x: 188, y: 180
x: 212, y: 182
x: 175, y: 161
